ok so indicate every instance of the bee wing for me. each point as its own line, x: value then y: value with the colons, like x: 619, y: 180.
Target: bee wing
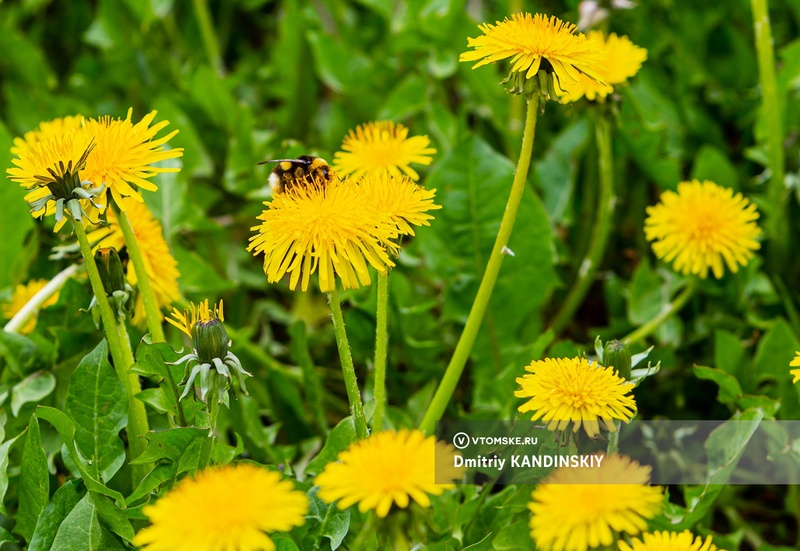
x: 278, y: 161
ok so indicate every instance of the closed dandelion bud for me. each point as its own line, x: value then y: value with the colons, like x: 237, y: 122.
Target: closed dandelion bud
x: 617, y: 355
x: 210, y: 340
x: 110, y: 268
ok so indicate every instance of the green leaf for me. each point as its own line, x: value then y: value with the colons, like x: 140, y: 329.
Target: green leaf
x: 511, y: 536
x: 337, y: 64
x: 66, y: 429
x: 775, y: 350
x: 97, y: 404
x: 729, y: 388
x: 64, y: 500
x: 81, y: 531
x: 33, y: 388
x: 112, y: 516
x: 711, y: 163
x: 21, y: 354
x: 168, y: 444
x: 728, y: 353
x: 338, y: 440
x: 152, y: 481
x: 5, y: 447
x: 34, y: 481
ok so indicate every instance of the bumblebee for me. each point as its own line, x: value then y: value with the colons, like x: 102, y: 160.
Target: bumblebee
x: 302, y: 170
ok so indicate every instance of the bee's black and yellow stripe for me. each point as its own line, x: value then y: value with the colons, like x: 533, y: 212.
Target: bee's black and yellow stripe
x: 291, y: 172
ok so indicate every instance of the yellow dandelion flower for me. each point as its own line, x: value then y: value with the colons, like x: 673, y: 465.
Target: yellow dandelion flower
x: 566, y: 390
x: 51, y: 171
x: 702, y: 225
x: 223, y: 509
x: 382, y: 146
x: 160, y: 265
x: 795, y: 372
x: 45, y: 130
x: 21, y: 296
x: 400, y: 200
x: 669, y: 541
x: 535, y: 42
x: 388, y: 467
x: 331, y: 226
x: 125, y: 154
x: 620, y: 60
x: 579, y: 509
x: 201, y: 313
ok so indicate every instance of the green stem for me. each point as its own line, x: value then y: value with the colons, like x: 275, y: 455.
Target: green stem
x: 381, y: 338
x: 121, y: 353
x: 600, y: 233
x: 154, y: 318
x: 138, y: 426
x: 666, y: 312
x: 464, y: 346
x: 212, y: 402
x: 348, y: 371
x: 207, y: 32
x: 777, y: 224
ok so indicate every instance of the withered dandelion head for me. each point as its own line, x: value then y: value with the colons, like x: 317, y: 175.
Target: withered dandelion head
x: 386, y: 468
x: 230, y: 508
x: 703, y: 226
x: 21, y: 296
x: 535, y: 42
x: 576, y: 509
x: 669, y: 541
x: 331, y: 227
x: 160, y: 265
x: 573, y: 390
x: 620, y: 60
x: 125, y: 153
x: 795, y: 363
x: 382, y: 146
x: 400, y: 200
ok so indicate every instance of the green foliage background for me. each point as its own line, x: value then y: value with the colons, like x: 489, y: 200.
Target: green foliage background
x: 248, y: 80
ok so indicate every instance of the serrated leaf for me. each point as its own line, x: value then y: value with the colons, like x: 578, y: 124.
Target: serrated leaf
x: 34, y: 481
x: 34, y: 388
x: 729, y: 388
x: 66, y: 429
x: 775, y: 350
x: 97, y: 404
x: 64, y: 500
x: 152, y: 481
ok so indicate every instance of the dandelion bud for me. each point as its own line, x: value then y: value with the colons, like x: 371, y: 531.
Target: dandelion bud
x: 210, y: 340
x: 110, y: 268
x: 617, y: 355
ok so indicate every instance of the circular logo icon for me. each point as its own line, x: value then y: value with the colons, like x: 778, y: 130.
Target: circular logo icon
x: 461, y: 440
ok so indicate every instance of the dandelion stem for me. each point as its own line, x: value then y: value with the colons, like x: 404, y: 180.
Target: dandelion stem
x: 380, y: 351
x: 30, y: 309
x: 666, y: 312
x: 464, y: 346
x: 212, y: 402
x: 121, y: 353
x: 137, y: 415
x: 777, y: 225
x: 143, y: 280
x: 203, y: 15
x: 600, y: 233
x: 348, y: 371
